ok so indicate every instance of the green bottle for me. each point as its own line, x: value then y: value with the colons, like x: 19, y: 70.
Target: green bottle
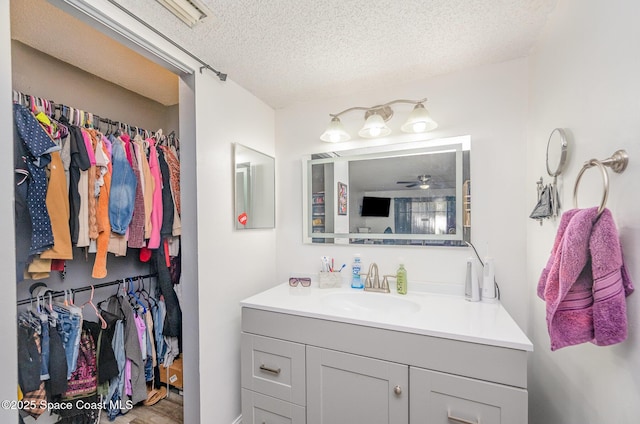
x: 401, y: 279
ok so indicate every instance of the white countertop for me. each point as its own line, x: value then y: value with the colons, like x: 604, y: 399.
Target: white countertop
x: 437, y: 315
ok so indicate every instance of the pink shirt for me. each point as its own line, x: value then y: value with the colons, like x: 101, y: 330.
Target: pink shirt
x: 156, y: 211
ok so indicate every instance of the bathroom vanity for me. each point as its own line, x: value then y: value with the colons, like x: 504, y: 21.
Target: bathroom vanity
x: 338, y: 356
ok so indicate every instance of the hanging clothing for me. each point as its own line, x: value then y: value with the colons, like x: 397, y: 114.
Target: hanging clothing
x: 91, y: 186
x: 123, y: 190
x: 83, y: 215
x: 37, y: 146
x: 103, y: 161
x: 136, y: 226
x: 84, y: 379
x: 28, y: 360
x: 57, y: 383
x: 34, y: 401
x: 157, y: 209
x: 121, y: 308
x: 58, y: 207
x: 148, y: 185
x: 174, y: 174
x: 79, y: 162
x: 173, y: 322
x: 168, y: 207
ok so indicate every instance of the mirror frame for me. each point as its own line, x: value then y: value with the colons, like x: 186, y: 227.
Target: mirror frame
x: 563, y: 152
x: 456, y: 144
x: 245, y: 167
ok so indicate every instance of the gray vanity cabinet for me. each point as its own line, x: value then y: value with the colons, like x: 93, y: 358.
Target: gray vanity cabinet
x: 439, y: 398
x: 346, y: 389
x: 298, y: 370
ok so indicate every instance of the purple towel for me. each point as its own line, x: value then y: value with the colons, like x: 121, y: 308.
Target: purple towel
x: 585, y: 281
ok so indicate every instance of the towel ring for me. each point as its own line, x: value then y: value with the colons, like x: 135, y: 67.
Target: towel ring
x: 605, y: 181
x: 617, y: 162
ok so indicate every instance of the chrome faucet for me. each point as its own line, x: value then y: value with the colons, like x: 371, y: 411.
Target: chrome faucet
x: 372, y: 280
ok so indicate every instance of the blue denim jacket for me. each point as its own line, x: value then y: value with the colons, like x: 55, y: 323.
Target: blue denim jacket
x: 123, y: 189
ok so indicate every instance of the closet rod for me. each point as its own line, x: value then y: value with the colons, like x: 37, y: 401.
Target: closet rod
x: 87, y: 288
x: 49, y: 107
x: 205, y: 65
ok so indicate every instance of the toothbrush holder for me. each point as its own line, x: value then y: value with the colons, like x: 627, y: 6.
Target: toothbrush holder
x: 330, y: 280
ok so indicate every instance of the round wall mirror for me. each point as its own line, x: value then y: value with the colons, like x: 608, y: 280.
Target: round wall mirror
x: 556, y: 152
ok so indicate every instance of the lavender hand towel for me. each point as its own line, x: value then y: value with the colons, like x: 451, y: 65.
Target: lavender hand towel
x: 585, y: 282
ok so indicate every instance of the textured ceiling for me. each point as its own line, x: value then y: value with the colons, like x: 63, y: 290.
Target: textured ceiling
x: 289, y: 51
x: 42, y: 26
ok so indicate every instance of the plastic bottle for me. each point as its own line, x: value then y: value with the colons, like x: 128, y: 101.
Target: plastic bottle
x: 401, y: 280
x: 488, y: 280
x: 356, y: 267
x: 471, y: 287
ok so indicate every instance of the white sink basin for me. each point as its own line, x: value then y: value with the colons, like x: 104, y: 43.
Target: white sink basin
x: 366, y: 302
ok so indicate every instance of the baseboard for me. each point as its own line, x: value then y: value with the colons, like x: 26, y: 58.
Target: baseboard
x: 238, y: 420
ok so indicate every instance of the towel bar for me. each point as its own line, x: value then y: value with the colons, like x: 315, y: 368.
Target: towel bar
x: 617, y: 162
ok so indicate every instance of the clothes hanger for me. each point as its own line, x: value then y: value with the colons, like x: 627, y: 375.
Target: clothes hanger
x: 52, y: 313
x: 103, y: 323
x: 134, y: 296
x: 144, y: 293
x: 67, y: 304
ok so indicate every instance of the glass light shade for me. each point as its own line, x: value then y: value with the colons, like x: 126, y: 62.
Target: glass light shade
x: 424, y: 186
x: 419, y: 121
x: 374, y: 127
x: 335, y: 132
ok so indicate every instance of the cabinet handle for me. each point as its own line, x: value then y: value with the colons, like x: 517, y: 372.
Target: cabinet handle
x: 460, y: 420
x: 397, y: 390
x: 269, y: 370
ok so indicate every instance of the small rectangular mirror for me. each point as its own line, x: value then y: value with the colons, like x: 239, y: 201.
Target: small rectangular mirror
x: 254, y: 189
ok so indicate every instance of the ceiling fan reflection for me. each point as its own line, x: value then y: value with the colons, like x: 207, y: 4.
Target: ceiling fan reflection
x: 421, y: 181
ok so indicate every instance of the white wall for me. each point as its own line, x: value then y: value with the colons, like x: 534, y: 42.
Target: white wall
x: 584, y: 77
x: 232, y: 264
x: 488, y: 103
x: 8, y: 353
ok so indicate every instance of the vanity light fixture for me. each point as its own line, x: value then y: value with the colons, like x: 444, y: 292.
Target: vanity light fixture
x: 189, y: 11
x: 376, y: 118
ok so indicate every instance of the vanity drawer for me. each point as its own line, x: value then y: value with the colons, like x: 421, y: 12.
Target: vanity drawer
x: 261, y: 409
x: 274, y: 367
x: 439, y: 398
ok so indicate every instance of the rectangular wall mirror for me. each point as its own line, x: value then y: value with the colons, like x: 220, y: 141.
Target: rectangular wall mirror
x: 254, y: 189
x: 416, y: 193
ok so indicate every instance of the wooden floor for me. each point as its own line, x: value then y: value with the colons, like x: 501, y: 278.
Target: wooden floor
x: 167, y: 411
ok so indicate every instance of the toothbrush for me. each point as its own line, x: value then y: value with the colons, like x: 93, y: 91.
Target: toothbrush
x: 342, y: 267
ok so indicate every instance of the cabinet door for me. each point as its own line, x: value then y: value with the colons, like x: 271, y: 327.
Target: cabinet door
x: 261, y: 409
x: 439, y: 398
x: 350, y: 389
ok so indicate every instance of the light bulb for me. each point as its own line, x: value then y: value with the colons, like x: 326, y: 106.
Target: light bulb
x: 373, y: 127
x: 419, y: 127
x: 419, y: 121
x: 335, y: 132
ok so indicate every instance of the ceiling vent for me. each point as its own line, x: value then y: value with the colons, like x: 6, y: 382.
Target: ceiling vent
x: 189, y: 11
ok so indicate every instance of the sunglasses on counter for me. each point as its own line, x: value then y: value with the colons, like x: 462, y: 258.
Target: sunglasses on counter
x: 304, y: 282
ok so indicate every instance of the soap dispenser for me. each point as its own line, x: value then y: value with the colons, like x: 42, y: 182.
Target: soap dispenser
x: 401, y: 279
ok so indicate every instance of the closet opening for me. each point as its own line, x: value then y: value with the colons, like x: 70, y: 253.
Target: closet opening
x: 98, y: 260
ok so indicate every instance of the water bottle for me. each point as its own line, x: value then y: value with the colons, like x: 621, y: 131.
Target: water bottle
x: 356, y: 281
